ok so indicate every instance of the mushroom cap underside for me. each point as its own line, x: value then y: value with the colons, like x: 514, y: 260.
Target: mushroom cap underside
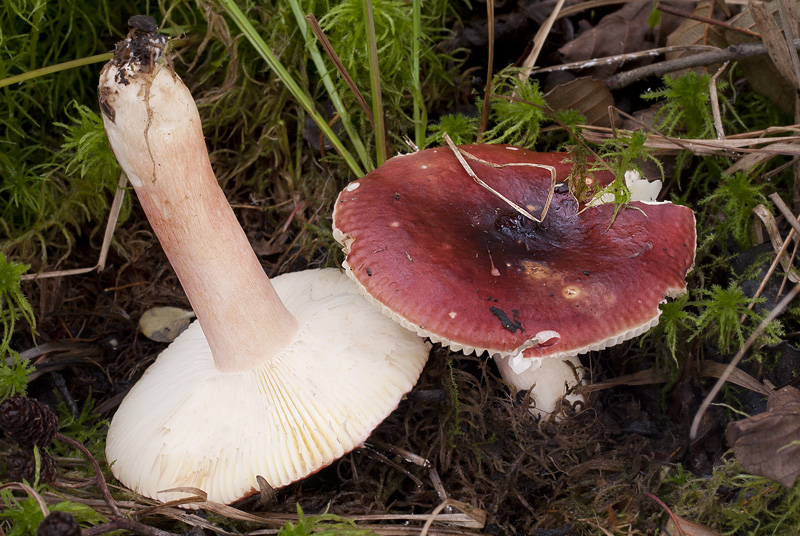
x: 450, y: 260
x: 186, y: 425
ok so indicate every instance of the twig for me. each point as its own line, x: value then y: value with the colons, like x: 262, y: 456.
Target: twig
x: 688, y: 15
x: 733, y: 52
x: 622, y: 58
x: 101, y: 481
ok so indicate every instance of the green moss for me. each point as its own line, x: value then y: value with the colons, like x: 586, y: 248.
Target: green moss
x: 732, y: 502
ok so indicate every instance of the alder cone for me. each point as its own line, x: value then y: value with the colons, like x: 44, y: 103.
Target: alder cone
x: 21, y: 465
x: 27, y: 421
x: 59, y: 524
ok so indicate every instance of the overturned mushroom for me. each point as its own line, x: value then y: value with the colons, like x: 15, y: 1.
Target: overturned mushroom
x: 271, y: 381
x: 449, y: 260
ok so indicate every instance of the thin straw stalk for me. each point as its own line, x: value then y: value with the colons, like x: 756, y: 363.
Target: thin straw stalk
x: 375, y: 84
x: 263, y: 49
x: 330, y: 87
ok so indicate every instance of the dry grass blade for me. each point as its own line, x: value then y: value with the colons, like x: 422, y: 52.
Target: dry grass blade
x: 715, y: 112
x: 771, y: 34
x: 538, y: 41
x: 784, y: 145
x: 113, y: 216
x: 778, y: 244
x: 477, y: 515
x: 31, y: 492
x: 470, y: 518
x: 460, y: 154
x: 705, y: 369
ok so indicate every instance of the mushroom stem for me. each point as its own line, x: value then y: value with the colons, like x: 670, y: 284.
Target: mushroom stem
x: 548, y: 379
x: 155, y: 131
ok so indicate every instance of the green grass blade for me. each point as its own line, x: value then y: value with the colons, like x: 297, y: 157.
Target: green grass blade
x: 375, y: 84
x: 330, y: 87
x: 97, y: 58
x: 293, y: 87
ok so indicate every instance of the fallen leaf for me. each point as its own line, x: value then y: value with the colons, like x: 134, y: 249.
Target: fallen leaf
x: 695, y: 32
x: 589, y: 96
x: 768, y: 444
x: 678, y: 526
x: 164, y: 324
x: 625, y: 30
x: 774, y: 40
x: 762, y: 75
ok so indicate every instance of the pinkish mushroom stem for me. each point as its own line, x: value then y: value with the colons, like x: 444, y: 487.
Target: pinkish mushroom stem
x: 284, y: 376
x: 158, y: 140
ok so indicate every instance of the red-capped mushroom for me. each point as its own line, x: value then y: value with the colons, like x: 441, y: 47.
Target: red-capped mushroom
x: 451, y: 261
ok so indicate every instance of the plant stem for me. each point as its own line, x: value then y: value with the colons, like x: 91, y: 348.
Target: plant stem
x: 297, y: 92
x: 381, y: 148
x: 489, y: 68
x: 420, y: 114
x: 80, y: 62
x: 330, y: 87
x: 101, y: 481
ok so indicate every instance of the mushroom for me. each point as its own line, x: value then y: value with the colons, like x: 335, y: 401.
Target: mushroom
x: 275, y: 379
x: 450, y: 260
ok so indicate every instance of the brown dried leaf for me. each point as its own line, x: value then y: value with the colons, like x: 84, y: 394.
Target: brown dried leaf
x: 768, y: 444
x: 773, y: 39
x: 695, y: 32
x: 762, y: 75
x: 589, y: 96
x: 621, y: 32
x: 678, y: 526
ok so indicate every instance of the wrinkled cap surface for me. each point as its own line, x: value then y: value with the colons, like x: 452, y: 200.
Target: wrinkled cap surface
x: 452, y: 261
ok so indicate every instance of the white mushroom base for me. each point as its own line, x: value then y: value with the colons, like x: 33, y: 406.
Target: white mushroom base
x: 187, y: 425
x: 548, y: 379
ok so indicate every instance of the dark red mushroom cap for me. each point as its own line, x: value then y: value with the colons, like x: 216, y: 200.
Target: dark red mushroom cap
x: 453, y: 262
